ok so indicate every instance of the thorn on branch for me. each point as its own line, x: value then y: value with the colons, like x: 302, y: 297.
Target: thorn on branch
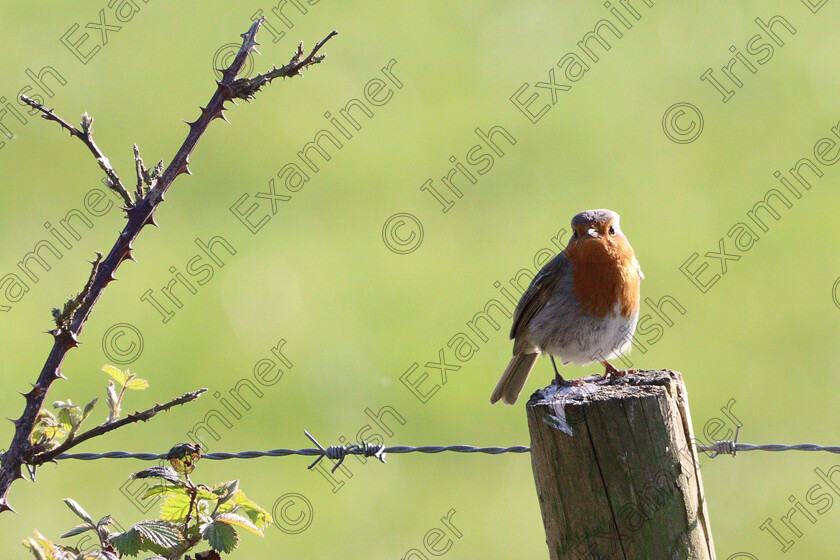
x: 246, y: 88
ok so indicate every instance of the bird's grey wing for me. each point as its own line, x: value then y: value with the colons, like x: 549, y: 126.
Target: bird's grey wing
x: 539, y: 292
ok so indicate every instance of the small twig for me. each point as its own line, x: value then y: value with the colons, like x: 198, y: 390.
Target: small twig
x: 102, y: 429
x: 245, y: 88
x: 86, y: 136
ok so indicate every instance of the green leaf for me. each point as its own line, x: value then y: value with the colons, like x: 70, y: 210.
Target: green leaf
x: 65, y: 419
x: 105, y: 521
x: 138, y: 384
x: 205, y: 494
x: 46, y: 428
x: 78, y: 510
x: 51, y: 432
x: 162, y: 490
x: 174, y: 508
x: 115, y: 373
x: 221, y: 536
x: 238, y: 521
x: 260, y: 517
x: 161, y: 533
x: 128, y: 543
x: 78, y: 530
x: 88, y: 409
x: 166, y: 473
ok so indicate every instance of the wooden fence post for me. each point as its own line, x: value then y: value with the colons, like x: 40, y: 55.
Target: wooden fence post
x: 616, y: 470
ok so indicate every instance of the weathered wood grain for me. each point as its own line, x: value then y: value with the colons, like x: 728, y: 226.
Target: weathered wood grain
x: 616, y: 471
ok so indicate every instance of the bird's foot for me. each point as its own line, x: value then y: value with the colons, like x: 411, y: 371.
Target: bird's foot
x: 612, y: 373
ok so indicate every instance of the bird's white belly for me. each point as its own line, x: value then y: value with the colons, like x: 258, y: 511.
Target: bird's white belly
x: 585, y: 339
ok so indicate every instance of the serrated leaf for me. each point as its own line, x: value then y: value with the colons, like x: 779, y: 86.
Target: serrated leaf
x: 238, y: 521
x: 220, y: 536
x: 258, y: 516
x: 78, y: 510
x: 161, y: 533
x: 174, y: 508
x: 116, y: 373
x: 166, y: 473
x: 65, y: 419
x: 78, y: 530
x: 127, y: 543
x: 105, y: 521
x: 138, y: 384
x: 162, y: 490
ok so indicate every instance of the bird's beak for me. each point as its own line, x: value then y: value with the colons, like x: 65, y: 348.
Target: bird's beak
x: 592, y: 232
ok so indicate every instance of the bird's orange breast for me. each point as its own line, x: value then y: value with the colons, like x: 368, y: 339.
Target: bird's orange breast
x: 605, y: 275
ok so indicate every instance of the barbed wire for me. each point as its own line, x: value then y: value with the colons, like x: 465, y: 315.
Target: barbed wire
x: 309, y: 452
x: 339, y: 452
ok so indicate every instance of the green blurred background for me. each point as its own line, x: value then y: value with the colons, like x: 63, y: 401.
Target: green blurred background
x: 356, y: 315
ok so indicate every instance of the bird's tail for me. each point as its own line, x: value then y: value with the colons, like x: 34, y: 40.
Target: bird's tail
x: 514, y: 377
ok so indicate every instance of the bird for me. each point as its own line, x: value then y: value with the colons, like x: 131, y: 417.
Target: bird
x: 581, y: 307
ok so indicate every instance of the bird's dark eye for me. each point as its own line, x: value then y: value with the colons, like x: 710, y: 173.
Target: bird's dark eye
x: 574, y: 234
x: 612, y: 230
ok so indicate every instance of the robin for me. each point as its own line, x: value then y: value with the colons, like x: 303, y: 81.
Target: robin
x: 582, y: 306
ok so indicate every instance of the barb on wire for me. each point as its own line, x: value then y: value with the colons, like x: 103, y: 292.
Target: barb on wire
x: 724, y: 447
x: 339, y: 452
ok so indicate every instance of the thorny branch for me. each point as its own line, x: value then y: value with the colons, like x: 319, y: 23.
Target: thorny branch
x: 71, y: 442
x: 140, y: 212
x: 246, y: 88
